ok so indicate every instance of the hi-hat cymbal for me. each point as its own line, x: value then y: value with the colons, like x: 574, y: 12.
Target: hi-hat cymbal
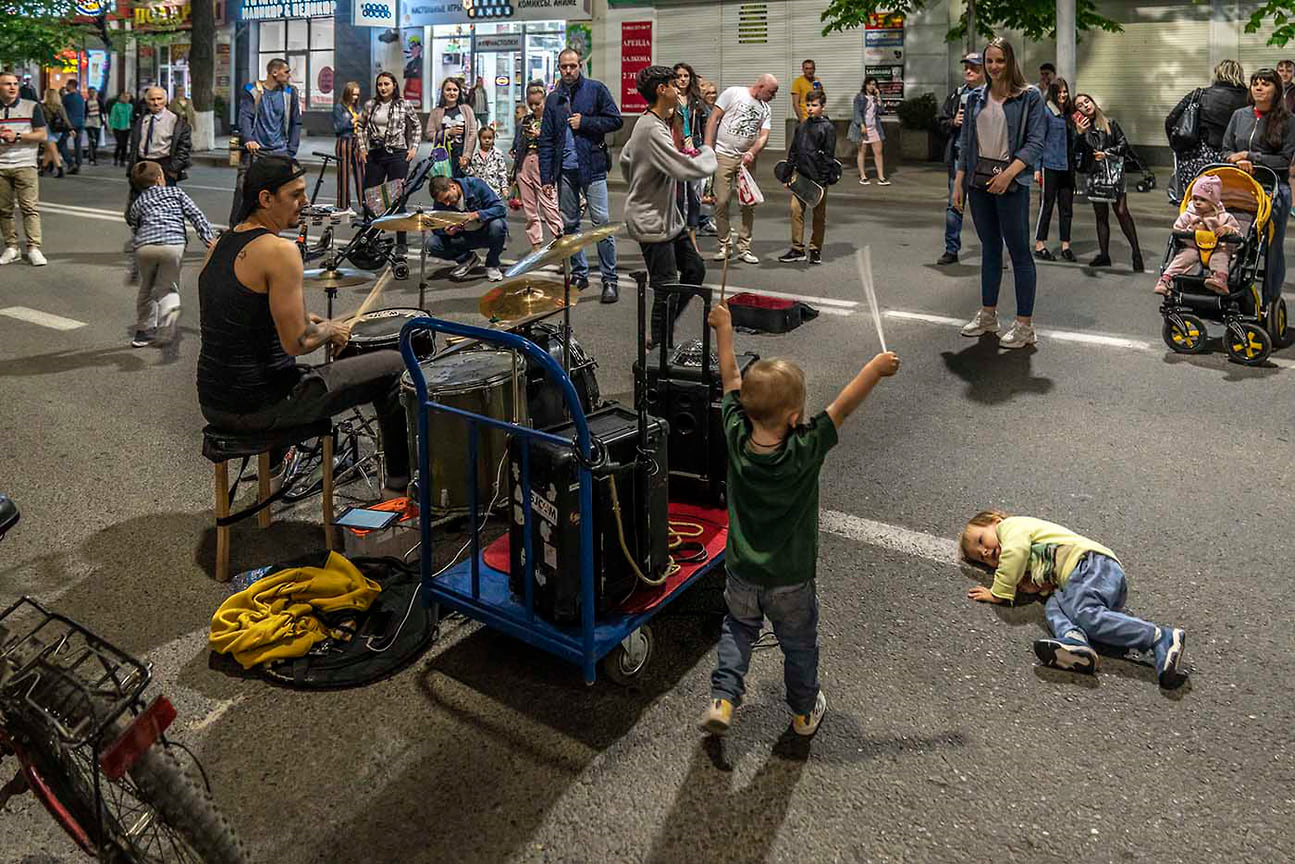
x: 561, y: 248
x: 421, y: 220
x: 340, y: 277
x: 522, y: 298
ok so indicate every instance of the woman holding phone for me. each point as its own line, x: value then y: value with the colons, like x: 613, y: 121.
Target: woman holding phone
x: 1001, y: 141
x: 1101, y: 138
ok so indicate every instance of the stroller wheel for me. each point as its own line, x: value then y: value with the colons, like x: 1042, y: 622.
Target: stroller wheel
x: 400, y: 270
x: 1247, y: 343
x: 1277, y: 323
x: 1187, y: 337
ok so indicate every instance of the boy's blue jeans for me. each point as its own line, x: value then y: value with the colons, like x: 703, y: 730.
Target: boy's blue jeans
x: 1093, y: 602
x: 793, y: 611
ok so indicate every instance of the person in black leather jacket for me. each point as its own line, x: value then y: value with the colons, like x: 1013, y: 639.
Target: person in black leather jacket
x: 1101, y: 138
x: 812, y: 155
x: 1218, y: 102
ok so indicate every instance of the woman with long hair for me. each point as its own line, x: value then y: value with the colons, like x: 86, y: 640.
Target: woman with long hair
x: 93, y: 123
x: 1002, y: 140
x: 349, y: 149
x: 689, y: 127
x: 56, y: 118
x: 389, y: 137
x: 120, y: 118
x: 866, y: 130
x: 1263, y: 133
x: 1056, y: 172
x: 1101, y: 138
x: 459, y: 122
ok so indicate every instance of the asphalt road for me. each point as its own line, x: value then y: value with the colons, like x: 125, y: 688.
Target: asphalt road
x: 944, y: 741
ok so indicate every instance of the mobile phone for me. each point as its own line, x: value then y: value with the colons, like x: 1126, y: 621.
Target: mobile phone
x: 366, y: 519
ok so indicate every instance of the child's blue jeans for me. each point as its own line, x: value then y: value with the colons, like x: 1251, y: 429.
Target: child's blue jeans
x: 1093, y: 602
x: 793, y: 611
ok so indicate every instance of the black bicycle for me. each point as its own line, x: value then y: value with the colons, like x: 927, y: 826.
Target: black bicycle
x: 93, y: 749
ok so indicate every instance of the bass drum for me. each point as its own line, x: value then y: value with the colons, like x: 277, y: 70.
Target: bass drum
x: 547, y: 406
x: 488, y: 383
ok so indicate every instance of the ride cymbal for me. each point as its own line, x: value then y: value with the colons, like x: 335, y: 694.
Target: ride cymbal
x: 421, y: 220
x: 522, y: 298
x: 561, y: 248
x: 340, y: 277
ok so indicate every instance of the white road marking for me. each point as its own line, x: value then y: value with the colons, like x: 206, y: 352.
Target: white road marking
x: 44, y: 319
x: 182, y: 186
x: 1079, y: 336
x: 103, y: 215
x: 821, y: 301
x: 942, y: 550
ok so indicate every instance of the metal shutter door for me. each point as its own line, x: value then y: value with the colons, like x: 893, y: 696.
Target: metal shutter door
x: 690, y: 34
x: 743, y: 62
x: 838, y: 58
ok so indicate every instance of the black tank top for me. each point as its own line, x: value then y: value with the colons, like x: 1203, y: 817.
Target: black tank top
x: 242, y: 366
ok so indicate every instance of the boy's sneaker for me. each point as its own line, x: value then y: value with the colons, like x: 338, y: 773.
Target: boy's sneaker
x: 1073, y: 655
x: 807, y: 724
x: 815, y: 256
x: 462, y: 271
x: 749, y: 257
x: 168, y: 320
x: 791, y: 256
x: 141, y: 340
x: 10, y: 255
x: 718, y: 717
x: 721, y: 253
x: 1018, y: 336
x: 36, y: 258
x: 984, y: 322
x: 1168, y: 649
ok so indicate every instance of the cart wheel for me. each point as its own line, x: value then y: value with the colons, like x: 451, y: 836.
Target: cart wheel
x: 1277, y: 323
x: 629, y: 658
x: 1248, y: 343
x: 1186, y: 339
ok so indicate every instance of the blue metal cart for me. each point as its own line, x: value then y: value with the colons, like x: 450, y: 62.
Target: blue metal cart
x: 481, y: 592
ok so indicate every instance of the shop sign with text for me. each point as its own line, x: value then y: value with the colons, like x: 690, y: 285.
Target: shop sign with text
x: 423, y: 13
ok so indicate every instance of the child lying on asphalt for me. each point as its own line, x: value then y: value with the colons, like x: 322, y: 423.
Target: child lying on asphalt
x: 1086, y: 588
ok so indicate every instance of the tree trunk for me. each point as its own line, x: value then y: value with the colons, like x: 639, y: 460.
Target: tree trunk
x: 973, y: 41
x: 202, y: 66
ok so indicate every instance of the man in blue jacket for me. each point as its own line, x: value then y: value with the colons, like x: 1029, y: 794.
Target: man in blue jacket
x: 74, y: 105
x: 574, y: 161
x: 488, y: 229
x: 269, y: 121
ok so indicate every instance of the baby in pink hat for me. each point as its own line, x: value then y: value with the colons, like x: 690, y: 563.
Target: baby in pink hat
x: 1204, y: 212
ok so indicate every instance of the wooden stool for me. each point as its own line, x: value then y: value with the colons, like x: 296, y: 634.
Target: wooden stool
x: 220, y: 447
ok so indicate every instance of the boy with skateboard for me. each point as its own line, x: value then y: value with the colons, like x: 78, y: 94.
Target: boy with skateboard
x: 810, y: 167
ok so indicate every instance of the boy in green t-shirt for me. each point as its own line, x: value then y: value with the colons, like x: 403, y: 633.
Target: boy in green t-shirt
x: 773, y: 465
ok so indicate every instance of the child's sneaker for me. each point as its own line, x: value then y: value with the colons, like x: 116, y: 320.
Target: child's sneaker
x: 141, y: 340
x: 1168, y: 649
x: 718, y: 717
x: 168, y: 319
x: 1068, y: 653
x: 815, y: 257
x: 791, y: 256
x: 807, y: 724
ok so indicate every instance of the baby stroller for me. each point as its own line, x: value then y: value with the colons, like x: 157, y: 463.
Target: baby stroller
x: 1253, y: 327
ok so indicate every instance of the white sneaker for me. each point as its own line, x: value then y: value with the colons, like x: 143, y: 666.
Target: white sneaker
x: 749, y: 257
x: 36, y: 258
x: 466, y: 267
x: 1018, y: 336
x: 984, y: 322
x: 10, y: 255
x: 807, y: 724
x: 494, y: 274
x: 721, y: 254
x: 168, y: 319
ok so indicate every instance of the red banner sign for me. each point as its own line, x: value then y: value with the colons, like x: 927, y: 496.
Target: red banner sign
x: 636, y: 55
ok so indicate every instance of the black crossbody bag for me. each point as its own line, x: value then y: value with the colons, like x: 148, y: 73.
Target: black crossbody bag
x: 988, y: 169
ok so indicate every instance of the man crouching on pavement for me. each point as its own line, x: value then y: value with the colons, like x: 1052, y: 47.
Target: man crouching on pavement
x: 653, y: 166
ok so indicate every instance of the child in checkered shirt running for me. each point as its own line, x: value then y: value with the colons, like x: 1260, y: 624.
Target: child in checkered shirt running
x: 156, y: 220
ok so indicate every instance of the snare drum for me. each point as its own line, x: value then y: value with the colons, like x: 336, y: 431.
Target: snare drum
x: 548, y: 407
x: 380, y: 331
x: 482, y: 382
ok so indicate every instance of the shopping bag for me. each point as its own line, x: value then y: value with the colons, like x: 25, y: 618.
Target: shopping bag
x: 1106, y: 181
x: 748, y: 194
x: 441, y: 166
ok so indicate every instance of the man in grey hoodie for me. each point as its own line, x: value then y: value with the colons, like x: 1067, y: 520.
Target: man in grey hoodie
x: 654, y: 166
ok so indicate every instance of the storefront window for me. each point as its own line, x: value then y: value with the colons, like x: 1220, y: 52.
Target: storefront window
x: 321, y: 80
x: 307, y: 45
x: 298, y: 35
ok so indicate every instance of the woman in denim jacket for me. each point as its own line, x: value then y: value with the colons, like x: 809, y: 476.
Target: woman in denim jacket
x: 1004, y: 122
x: 1056, y: 176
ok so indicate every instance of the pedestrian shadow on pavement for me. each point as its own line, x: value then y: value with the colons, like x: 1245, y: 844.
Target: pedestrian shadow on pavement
x: 995, y: 375
x: 124, y: 357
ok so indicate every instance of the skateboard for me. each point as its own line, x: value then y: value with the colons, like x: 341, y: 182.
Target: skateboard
x: 809, y: 192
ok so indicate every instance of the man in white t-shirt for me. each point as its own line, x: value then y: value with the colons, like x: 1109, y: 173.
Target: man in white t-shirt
x: 22, y: 131
x: 738, y: 129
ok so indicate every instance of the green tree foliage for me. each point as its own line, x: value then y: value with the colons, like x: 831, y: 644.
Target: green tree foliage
x: 1037, y: 19
x: 35, y: 31
x: 1282, y: 13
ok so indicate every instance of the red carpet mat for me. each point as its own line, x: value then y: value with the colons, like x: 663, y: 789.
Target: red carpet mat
x: 686, y: 519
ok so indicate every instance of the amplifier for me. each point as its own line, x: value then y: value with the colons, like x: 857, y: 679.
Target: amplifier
x: 555, y: 516
x: 692, y: 410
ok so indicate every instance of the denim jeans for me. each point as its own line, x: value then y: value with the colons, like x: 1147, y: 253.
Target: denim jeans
x: 952, y: 220
x: 569, y: 190
x: 493, y: 237
x: 793, y: 611
x: 1003, y: 219
x: 1093, y: 603
x: 1275, y: 266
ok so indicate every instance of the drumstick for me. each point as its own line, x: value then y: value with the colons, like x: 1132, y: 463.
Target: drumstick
x: 723, y: 279
x: 373, y: 296
x: 863, y: 258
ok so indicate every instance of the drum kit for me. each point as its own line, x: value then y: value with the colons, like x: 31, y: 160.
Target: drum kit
x: 467, y: 374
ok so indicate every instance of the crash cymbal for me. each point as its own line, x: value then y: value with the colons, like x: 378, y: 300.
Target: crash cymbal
x: 341, y: 277
x: 522, y: 298
x: 561, y: 248
x: 421, y: 220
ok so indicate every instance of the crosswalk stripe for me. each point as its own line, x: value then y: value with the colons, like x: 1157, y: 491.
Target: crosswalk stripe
x: 44, y: 319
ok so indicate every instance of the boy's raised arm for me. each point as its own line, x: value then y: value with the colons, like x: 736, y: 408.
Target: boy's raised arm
x: 722, y: 323
x: 852, y: 395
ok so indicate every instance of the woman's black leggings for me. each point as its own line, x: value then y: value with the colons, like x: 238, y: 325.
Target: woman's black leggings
x: 1102, y: 212
x: 1058, y: 188
x: 122, y: 153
